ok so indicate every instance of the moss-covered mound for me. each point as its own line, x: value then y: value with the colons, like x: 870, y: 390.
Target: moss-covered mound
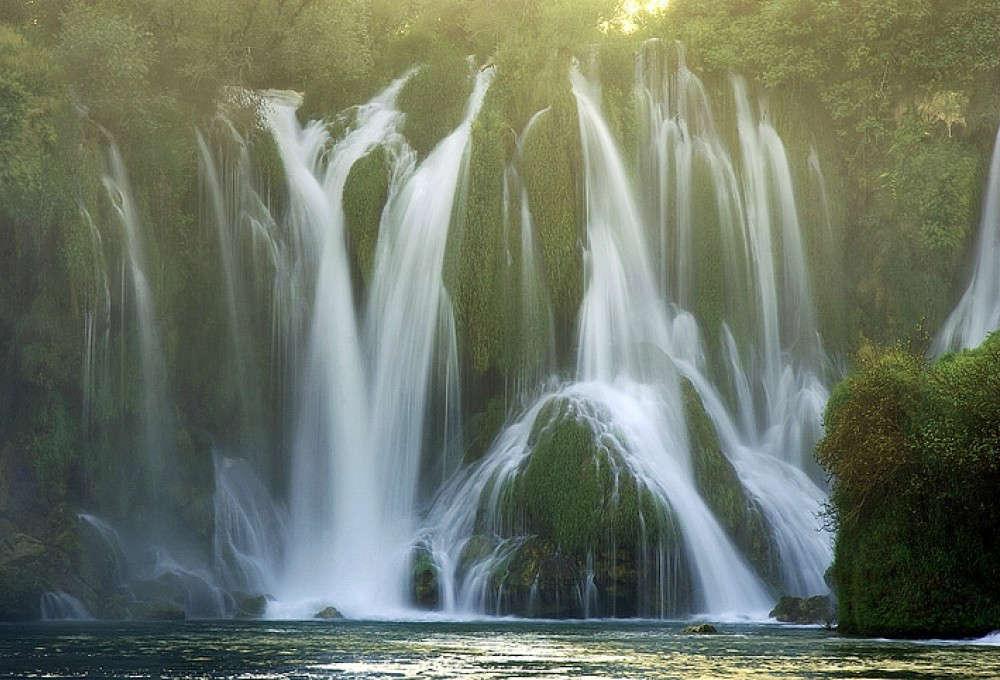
x: 581, y: 534
x: 914, y: 450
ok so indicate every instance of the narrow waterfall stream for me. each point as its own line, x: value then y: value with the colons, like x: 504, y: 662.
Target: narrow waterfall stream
x: 977, y: 314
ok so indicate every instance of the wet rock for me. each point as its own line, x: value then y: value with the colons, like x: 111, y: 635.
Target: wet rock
x: 424, y: 572
x: 804, y: 610
x: 700, y: 629
x: 251, y: 606
x: 328, y: 613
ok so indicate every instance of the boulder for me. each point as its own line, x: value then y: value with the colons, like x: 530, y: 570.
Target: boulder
x: 700, y: 629
x: 804, y: 610
x: 424, y: 576
x: 328, y: 613
x: 251, y: 606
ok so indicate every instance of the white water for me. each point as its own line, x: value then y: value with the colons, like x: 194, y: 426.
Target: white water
x: 536, y: 353
x: 362, y: 414
x: 59, y: 606
x: 978, y: 312
x: 636, y: 342
x: 768, y: 412
x: 375, y: 391
x: 156, y: 444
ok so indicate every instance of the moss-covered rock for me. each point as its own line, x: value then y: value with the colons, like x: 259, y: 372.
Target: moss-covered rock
x: 424, y: 577
x: 738, y: 513
x: 434, y: 101
x: 250, y: 606
x: 328, y: 614
x: 700, y: 629
x: 804, y: 610
x: 581, y: 533
x: 365, y: 194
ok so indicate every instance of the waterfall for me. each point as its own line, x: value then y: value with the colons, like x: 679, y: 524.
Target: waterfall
x: 536, y: 353
x: 333, y: 482
x: 157, y: 438
x: 640, y: 341
x: 978, y: 312
x: 59, y: 606
x: 407, y: 300
x: 768, y: 412
x: 248, y: 529
x: 96, y: 328
x: 362, y: 413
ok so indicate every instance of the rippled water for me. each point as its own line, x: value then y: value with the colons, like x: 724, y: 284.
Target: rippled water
x: 494, y: 649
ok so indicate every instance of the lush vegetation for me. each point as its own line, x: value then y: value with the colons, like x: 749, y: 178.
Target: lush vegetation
x: 914, y: 450
x: 900, y: 97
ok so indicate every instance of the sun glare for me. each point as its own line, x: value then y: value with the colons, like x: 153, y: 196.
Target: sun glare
x: 632, y: 12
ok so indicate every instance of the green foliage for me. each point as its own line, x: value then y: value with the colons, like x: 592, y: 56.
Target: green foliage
x: 914, y: 451
x: 106, y: 59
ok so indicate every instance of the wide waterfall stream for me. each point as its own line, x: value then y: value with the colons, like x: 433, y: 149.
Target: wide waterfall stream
x: 691, y: 400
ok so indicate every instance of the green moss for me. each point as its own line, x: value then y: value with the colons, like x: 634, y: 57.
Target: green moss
x: 434, y: 101
x: 720, y: 486
x: 365, y: 193
x: 576, y: 489
x: 550, y: 171
x: 477, y: 259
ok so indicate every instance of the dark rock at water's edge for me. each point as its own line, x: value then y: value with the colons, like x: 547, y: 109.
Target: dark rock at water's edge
x: 805, y: 610
x: 165, y: 612
x: 31, y: 565
x: 700, y: 629
x: 251, y: 606
x: 328, y: 613
x: 424, y: 574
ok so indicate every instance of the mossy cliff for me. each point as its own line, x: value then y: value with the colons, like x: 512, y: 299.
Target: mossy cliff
x: 914, y: 450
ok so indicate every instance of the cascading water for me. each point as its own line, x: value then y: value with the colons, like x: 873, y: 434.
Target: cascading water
x: 408, y: 298
x: 369, y: 388
x: 978, y: 312
x: 334, y: 486
x: 772, y: 418
x: 638, y: 346
x: 360, y: 433
x: 536, y: 347
x: 59, y: 606
x: 156, y: 443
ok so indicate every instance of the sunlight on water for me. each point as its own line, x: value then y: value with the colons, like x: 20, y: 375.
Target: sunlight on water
x: 488, y: 649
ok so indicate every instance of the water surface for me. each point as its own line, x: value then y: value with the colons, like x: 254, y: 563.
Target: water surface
x: 493, y: 649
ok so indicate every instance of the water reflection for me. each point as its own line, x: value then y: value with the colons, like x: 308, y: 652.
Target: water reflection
x: 490, y: 650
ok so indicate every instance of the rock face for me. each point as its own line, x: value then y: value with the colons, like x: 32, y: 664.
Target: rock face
x: 30, y: 566
x: 328, y: 613
x: 700, y: 629
x: 804, y: 610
